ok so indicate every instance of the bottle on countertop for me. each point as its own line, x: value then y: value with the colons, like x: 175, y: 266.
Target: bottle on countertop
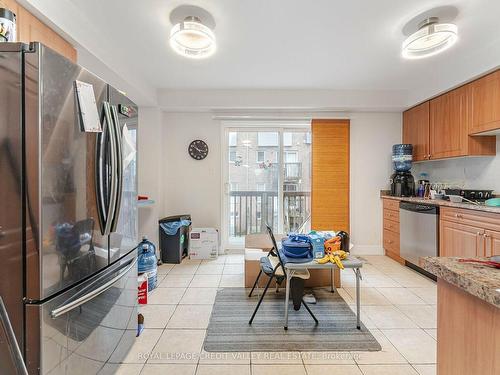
x: 423, y: 179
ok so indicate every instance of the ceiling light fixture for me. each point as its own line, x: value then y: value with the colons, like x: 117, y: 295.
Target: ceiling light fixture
x: 191, y: 38
x: 431, y: 38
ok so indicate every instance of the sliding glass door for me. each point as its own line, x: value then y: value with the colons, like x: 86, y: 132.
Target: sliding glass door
x: 267, y: 181
x: 296, y: 179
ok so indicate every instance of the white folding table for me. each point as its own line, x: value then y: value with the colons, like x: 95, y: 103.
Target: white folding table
x: 350, y: 262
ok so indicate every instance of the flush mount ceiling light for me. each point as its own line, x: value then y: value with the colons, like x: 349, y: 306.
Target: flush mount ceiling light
x: 431, y: 38
x: 191, y: 38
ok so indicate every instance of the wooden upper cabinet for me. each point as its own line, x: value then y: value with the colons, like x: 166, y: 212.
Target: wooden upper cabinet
x: 31, y: 29
x: 450, y: 118
x: 445, y: 126
x: 448, y: 124
x: 9, y: 4
x: 416, y: 130
x: 485, y: 103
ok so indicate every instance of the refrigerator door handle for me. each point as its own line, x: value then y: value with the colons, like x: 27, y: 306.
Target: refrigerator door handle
x: 94, y: 293
x: 119, y: 168
x: 101, y: 172
x: 113, y: 181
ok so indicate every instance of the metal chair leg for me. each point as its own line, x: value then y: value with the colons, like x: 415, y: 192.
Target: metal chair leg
x: 255, y: 283
x: 260, y: 300
x: 309, y: 311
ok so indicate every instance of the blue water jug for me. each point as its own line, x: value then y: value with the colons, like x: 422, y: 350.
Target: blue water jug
x: 402, y: 157
x: 147, y: 263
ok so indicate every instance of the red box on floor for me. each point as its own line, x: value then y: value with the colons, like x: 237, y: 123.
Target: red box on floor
x: 142, y: 290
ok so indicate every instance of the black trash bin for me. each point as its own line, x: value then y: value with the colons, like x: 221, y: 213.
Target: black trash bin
x: 173, y: 248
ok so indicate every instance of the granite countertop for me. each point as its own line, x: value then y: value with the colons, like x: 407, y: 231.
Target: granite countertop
x: 479, y: 280
x: 440, y: 202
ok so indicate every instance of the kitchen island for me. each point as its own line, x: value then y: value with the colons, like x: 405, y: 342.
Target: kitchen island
x: 468, y: 321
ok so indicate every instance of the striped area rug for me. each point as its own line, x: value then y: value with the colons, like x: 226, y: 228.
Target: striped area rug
x: 229, y: 331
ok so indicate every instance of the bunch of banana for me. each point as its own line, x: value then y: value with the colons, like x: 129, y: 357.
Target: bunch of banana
x: 338, y: 256
x: 334, y: 257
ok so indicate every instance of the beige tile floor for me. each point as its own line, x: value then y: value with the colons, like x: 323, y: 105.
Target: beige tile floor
x: 398, y: 306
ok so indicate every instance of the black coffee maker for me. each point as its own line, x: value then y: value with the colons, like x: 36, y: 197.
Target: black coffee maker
x: 402, y: 184
x: 402, y: 181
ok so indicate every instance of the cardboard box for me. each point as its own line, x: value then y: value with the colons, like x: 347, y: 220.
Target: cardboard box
x: 203, y: 243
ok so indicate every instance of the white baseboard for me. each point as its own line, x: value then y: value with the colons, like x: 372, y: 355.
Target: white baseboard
x: 367, y: 250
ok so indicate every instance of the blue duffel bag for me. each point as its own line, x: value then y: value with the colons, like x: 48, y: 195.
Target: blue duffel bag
x: 297, y: 250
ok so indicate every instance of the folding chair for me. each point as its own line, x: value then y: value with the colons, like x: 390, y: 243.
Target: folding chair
x: 273, y: 266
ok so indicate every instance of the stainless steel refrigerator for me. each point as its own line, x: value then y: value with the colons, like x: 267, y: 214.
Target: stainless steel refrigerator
x: 68, y: 216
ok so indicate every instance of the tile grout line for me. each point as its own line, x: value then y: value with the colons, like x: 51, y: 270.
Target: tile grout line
x: 251, y: 364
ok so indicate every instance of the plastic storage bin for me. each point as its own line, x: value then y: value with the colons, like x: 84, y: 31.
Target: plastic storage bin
x: 174, y: 247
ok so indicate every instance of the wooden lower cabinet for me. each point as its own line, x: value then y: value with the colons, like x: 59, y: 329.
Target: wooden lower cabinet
x: 391, y: 229
x: 492, y: 243
x: 459, y: 240
x: 468, y: 233
x: 468, y: 333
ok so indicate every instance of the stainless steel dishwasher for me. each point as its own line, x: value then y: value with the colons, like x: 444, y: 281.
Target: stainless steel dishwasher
x: 419, y: 228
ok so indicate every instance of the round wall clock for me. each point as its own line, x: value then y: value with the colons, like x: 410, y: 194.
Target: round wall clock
x: 198, y: 149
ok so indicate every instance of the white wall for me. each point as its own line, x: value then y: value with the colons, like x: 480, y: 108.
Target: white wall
x: 191, y: 186
x: 150, y: 170
x: 372, y: 137
x: 194, y: 187
x: 472, y: 172
x: 283, y: 100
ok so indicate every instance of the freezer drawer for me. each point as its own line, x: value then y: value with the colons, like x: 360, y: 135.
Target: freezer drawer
x: 86, y: 327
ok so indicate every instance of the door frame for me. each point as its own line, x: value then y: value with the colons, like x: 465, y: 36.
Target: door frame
x: 279, y: 126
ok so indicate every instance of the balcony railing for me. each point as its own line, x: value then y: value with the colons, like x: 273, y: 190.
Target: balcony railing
x: 250, y: 211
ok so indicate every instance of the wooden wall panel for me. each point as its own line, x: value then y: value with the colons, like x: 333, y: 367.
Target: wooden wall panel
x: 330, y: 175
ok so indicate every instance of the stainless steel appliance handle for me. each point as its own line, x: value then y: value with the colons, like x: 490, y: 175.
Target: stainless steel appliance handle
x: 119, y: 167
x: 101, y: 172
x: 113, y: 188
x: 87, y: 297
x: 11, y: 338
